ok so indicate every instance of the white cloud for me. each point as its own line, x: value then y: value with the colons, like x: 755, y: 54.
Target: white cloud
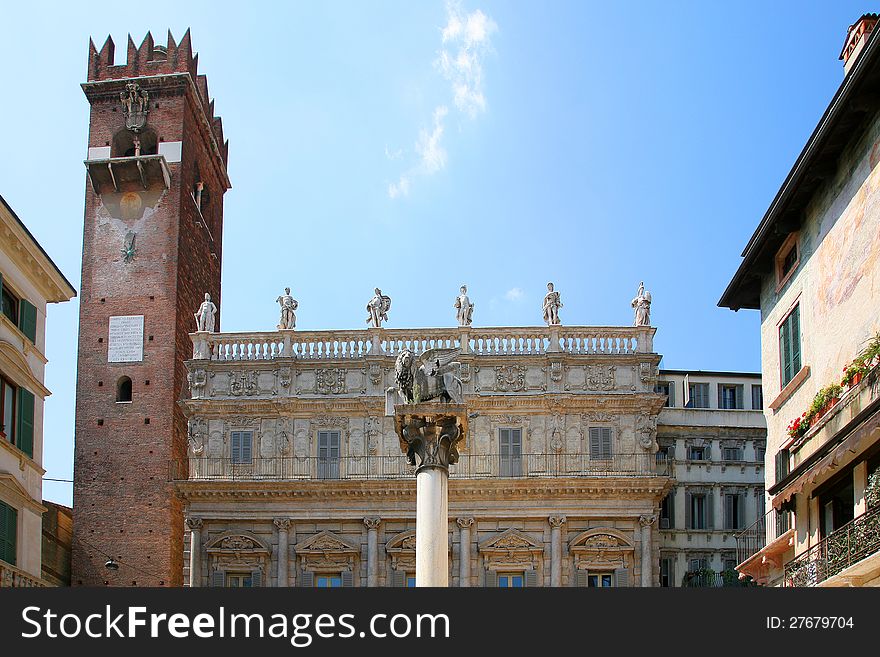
x: 400, y: 188
x: 393, y: 155
x: 513, y: 294
x: 466, y: 39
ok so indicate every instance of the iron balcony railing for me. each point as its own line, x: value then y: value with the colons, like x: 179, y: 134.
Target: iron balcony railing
x: 710, y: 579
x: 856, y: 540
x: 469, y: 466
x: 767, y: 529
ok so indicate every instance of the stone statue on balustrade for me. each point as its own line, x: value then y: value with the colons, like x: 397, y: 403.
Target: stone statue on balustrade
x: 642, y: 307
x: 464, y: 309
x: 432, y: 375
x: 552, y: 304
x: 378, y: 308
x: 288, y: 305
x: 206, y: 315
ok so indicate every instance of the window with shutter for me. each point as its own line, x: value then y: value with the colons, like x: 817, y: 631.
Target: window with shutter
x: 790, y: 346
x: 307, y: 579
x: 257, y: 578
x: 9, y: 302
x: 757, y: 397
x: 218, y: 578
x: 580, y: 578
x: 8, y: 413
x: 600, y: 442
x: 621, y: 577
x: 27, y: 320
x: 25, y: 429
x: 491, y: 579
x: 531, y: 579
x: 8, y: 533
x: 710, y: 511
x: 347, y: 578
x: 398, y: 578
x: 328, y: 454
x: 600, y: 580
x: 510, y: 450
x: 242, y: 447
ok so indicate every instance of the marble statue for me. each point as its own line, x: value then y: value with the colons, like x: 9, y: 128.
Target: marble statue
x: 551, y: 307
x: 463, y: 307
x: 206, y: 315
x: 288, y: 305
x: 378, y: 308
x: 642, y: 307
x: 432, y: 375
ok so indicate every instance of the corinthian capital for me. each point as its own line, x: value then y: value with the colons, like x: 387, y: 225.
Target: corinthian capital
x: 556, y: 521
x: 194, y: 523
x: 372, y: 523
x: 647, y: 521
x: 464, y: 523
x: 282, y: 523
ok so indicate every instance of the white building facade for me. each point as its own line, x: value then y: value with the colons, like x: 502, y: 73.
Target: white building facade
x: 30, y: 281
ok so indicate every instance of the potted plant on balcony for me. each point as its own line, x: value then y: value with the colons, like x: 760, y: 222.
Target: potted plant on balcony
x: 853, y: 373
x: 798, y: 426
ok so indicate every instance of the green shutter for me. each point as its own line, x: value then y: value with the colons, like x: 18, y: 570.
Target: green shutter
x: 8, y: 533
x: 25, y: 431
x: 27, y: 319
x: 1, y: 293
x: 795, y: 339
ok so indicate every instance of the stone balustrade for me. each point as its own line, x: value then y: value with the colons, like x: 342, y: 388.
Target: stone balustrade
x: 12, y: 577
x: 357, y: 344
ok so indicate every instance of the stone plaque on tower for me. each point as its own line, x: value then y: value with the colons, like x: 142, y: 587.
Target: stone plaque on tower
x: 126, y: 339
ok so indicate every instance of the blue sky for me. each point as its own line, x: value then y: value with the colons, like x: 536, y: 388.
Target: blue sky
x: 504, y: 143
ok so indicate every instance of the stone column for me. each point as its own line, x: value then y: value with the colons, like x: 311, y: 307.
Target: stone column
x: 464, y: 551
x: 372, y: 525
x: 556, y: 523
x: 432, y: 431
x: 195, y: 551
x: 647, y: 553
x: 283, y: 525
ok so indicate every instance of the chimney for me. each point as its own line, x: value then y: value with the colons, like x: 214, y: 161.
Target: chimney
x: 856, y: 37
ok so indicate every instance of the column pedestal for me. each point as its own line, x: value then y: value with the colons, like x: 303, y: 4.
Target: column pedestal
x: 283, y: 525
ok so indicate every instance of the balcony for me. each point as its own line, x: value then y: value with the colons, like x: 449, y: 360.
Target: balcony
x: 12, y: 577
x: 123, y: 173
x: 469, y: 466
x: 357, y: 344
x: 767, y: 529
x: 855, y: 541
x: 710, y: 579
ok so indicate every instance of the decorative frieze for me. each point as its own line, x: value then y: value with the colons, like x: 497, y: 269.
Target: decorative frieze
x: 330, y: 381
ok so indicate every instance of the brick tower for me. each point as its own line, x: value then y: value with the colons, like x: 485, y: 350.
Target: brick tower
x: 151, y: 250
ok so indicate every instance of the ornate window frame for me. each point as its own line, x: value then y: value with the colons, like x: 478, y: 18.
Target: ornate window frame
x: 238, y: 551
x: 602, y: 549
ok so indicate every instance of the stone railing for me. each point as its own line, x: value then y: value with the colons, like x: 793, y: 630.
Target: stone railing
x: 355, y: 344
x: 857, y: 539
x: 12, y: 577
x: 469, y: 466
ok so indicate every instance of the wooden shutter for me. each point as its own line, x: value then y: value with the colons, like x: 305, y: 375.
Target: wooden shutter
x: 710, y: 510
x: 27, y: 319
x: 257, y: 578
x: 8, y: 533
x: 580, y: 578
x: 688, y: 515
x: 398, y: 579
x: 236, y: 447
x: 595, y: 442
x: 530, y: 578
x: 671, y: 387
x: 795, y: 340
x: 741, y: 511
x: 491, y: 579
x: 347, y: 579
x: 24, y: 437
x: 621, y: 577
x: 246, y: 446
x: 1, y: 293
x: 307, y: 579
x: 740, y: 403
x: 218, y: 578
x: 606, y: 442
x: 720, y: 395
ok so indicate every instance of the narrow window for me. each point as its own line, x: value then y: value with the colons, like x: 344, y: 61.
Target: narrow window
x: 510, y: 449
x: 328, y: 454
x: 8, y: 533
x: 757, y: 397
x: 242, y: 447
x: 600, y: 442
x: 123, y: 390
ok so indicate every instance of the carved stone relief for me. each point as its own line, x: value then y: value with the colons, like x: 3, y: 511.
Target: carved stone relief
x: 243, y: 383
x: 330, y: 381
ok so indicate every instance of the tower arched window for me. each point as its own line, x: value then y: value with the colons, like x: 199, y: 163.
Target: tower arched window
x: 123, y: 389
x: 128, y: 144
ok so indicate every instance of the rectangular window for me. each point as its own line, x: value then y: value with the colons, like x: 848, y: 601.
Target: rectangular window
x: 510, y: 580
x: 731, y: 454
x: 757, y: 397
x: 733, y: 509
x: 698, y: 507
x: 600, y: 442
x: 760, y: 453
x: 510, y: 446
x: 242, y: 447
x: 699, y: 395
x: 782, y: 464
x: 730, y: 397
x: 328, y: 581
x: 410, y: 580
x: 698, y: 564
x: 667, y: 572
x: 10, y: 305
x: 668, y: 389
x: 667, y: 512
x: 239, y: 580
x: 783, y: 521
x: 8, y: 533
x: 7, y: 412
x: 328, y: 454
x: 730, y: 564
x: 696, y: 453
x: 790, y: 346
x: 600, y: 580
